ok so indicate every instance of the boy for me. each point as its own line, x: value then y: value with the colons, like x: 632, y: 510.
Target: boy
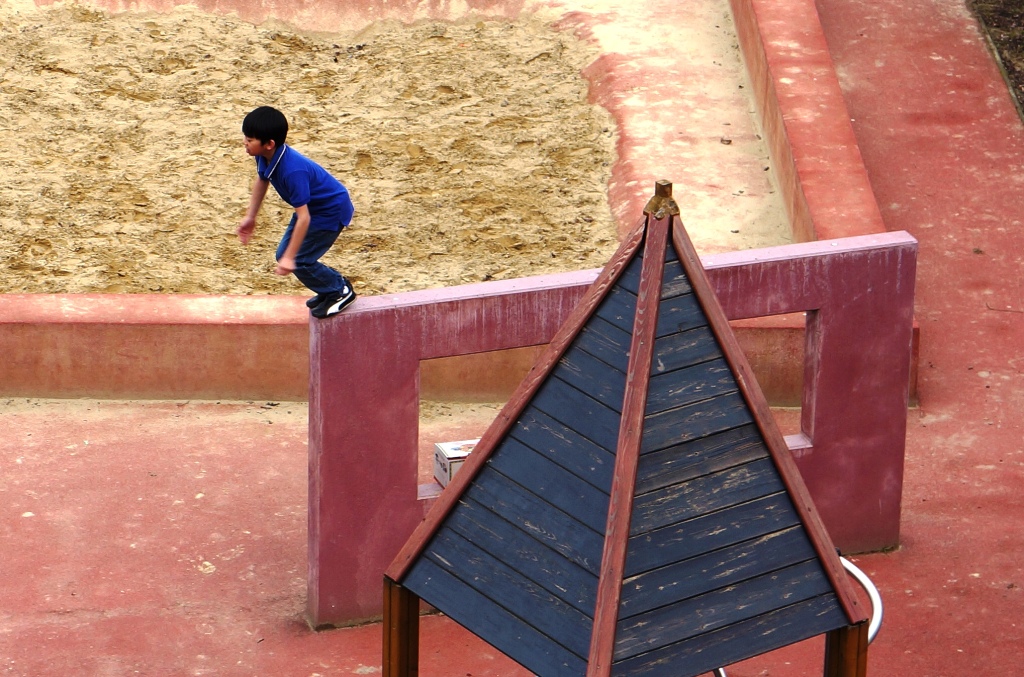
x: 322, y: 210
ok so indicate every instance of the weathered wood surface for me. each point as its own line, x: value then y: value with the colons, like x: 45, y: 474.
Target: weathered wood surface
x: 536, y: 561
x: 606, y: 342
x: 680, y: 313
x: 706, y: 533
x: 684, y: 349
x: 692, y: 384
x: 619, y: 309
x: 590, y: 375
x: 551, y: 483
x: 590, y: 418
x: 565, y: 446
x: 627, y: 455
x: 710, y: 571
x: 704, y: 455
x: 558, y: 530
x: 508, y: 588
x: 719, y: 608
x: 704, y: 494
x: 696, y: 420
x: 492, y: 623
x: 675, y: 281
x: 739, y: 641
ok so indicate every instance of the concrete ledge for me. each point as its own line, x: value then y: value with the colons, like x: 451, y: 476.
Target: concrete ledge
x: 125, y: 346
x: 805, y: 120
x: 133, y: 346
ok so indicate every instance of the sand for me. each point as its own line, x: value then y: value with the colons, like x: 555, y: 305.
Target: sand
x: 470, y: 150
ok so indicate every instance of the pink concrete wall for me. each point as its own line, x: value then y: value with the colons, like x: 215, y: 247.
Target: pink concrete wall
x: 131, y: 346
x: 480, y: 377
x: 364, y: 395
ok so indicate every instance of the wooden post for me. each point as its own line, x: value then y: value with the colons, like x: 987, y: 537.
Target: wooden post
x: 401, y: 631
x: 846, y: 651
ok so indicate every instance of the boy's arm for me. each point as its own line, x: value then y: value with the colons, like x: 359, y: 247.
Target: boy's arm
x: 248, y: 224
x: 286, y: 264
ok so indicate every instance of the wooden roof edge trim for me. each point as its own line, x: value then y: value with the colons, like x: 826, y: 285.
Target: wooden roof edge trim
x: 520, y: 398
x: 774, y: 440
x: 631, y: 424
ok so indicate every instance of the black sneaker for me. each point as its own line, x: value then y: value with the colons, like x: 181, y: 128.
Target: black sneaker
x: 314, y: 301
x: 335, y: 303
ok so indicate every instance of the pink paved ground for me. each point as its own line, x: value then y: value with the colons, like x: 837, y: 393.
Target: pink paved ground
x: 123, y: 579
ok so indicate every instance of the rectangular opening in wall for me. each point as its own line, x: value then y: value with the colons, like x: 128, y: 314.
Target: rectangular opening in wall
x: 775, y: 347
x: 459, y: 398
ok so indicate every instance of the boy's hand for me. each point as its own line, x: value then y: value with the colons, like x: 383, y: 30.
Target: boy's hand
x: 245, y: 229
x: 285, y: 266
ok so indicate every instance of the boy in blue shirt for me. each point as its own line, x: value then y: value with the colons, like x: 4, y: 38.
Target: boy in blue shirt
x: 322, y: 210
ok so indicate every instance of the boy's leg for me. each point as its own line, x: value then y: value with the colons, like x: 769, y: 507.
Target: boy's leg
x: 286, y: 239
x: 334, y: 291
x: 309, y: 271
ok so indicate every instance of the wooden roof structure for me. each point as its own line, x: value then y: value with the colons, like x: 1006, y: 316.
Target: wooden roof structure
x: 633, y: 509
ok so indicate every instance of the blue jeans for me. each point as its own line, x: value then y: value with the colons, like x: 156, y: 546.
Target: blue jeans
x: 315, y: 275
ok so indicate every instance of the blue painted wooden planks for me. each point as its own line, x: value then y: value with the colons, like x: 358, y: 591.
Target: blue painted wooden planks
x: 684, y: 349
x: 561, y: 532
x: 693, y: 421
x: 719, y: 608
x: 492, y: 622
x: 704, y: 494
x: 712, y: 570
x: 704, y: 533
x: 688, y: 385
x: 508, y: 589
x: 565, y: 446
x: 552, y: 483
x: 738, y: 641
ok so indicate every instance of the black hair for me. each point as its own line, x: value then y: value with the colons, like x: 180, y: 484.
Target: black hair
x: 266, y: 123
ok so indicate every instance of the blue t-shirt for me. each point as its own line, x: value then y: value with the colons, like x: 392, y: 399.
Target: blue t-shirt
x: 300, y: 181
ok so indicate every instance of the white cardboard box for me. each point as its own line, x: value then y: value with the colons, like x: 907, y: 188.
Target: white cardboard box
x: 449, y: 457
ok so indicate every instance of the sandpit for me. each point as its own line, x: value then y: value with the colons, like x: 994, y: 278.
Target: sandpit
x: 470, y: 150
x: 471, y: 147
